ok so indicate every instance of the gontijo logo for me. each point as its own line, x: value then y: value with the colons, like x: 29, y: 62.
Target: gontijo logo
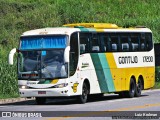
x: 128, y: 59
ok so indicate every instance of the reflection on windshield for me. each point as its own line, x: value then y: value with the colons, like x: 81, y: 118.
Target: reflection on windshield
x: 53, y: 64
x: 46, y: 64
x: 30, y: 61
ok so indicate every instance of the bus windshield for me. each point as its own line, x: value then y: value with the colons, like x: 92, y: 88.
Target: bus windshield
x: 45, y: 60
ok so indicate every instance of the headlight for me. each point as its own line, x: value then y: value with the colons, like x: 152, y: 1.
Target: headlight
x: 61, y: 85
x: 23, y: 86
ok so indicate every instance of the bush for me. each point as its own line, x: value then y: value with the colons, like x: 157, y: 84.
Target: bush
x: 17, y: 16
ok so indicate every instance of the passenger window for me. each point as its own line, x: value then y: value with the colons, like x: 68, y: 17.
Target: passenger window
x: 95, y: 43
x: 115, y: 42
x: 149, y: 44
x: 124, y: 42
x: 134, y: 47
x: 95, y: 49
x: 114, y: 47
x: 142, y: 42
x: 84, y: 42
x: 82, y: 48
x: 125, y: 47
x: 135, y: 42
x: 105, y: 42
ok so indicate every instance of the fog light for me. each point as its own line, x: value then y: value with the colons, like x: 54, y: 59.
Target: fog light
x: 22, y: 86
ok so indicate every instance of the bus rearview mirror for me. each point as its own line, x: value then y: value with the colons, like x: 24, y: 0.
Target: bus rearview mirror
x: 66, y: 54
x: 11, y: 56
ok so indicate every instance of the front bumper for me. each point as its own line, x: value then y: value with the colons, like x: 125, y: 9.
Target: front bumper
x: 54, y: 92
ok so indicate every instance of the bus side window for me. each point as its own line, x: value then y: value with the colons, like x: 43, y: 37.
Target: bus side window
x: 134, y: 47
x: 149, y: 44
x: 135, y: 42
x: 124, y: 42
x: 102, y: 41
x: 125, y: 47
x: 142, y: 46
x: 115, y: 42
x: 95, y: 44
x: 95, y: 49
x: 85, y: 41
x: 82, y: 48
x: 114, y: 47
x: 142, y: 42
x: 106, y: 43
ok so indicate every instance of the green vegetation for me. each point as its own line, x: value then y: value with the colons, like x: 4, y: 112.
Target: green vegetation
x: 157, y: 85
x: 17, y: 16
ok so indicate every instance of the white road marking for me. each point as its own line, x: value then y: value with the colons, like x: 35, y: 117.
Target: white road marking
x: 119, y: 100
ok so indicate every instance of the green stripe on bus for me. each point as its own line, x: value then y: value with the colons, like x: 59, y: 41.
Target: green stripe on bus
x: 83, y: 29
x: 87, y: 29
x: 44, y: 82
x: 107, y: 72
x: 103, y: 72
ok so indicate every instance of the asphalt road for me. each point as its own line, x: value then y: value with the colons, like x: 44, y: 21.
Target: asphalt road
x: 108, y: 107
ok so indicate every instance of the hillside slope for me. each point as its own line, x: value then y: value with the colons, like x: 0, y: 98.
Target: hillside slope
x: 17, y: 16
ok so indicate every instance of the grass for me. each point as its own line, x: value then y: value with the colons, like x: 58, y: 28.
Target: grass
x: 9, y: 96
x: 17, y: 16
x: 157, y: 85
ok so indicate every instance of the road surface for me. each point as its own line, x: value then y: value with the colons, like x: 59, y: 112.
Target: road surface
x: 111, y: 106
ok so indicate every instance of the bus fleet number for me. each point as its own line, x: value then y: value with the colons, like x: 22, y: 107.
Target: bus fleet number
x: 147, y: 58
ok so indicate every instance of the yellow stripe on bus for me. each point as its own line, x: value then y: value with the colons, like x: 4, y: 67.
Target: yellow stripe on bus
x: 54, y: 81
x: 121, y: 76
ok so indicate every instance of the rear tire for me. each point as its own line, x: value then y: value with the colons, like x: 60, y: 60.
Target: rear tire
x: 139, y: 87
x: 40, y: 100
x: 132, y: 89
x: 83, y: 98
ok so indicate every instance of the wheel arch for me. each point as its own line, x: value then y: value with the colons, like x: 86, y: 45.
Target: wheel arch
x: 134, y: 78
x: 86, y: 81
x: 129, y: 80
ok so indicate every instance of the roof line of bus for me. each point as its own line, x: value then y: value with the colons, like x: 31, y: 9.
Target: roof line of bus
x: 99, y: 26
x: 85, y: 27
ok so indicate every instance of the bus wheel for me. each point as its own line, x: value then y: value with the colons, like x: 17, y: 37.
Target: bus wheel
x: 138, y: 88
x: 132, y: 89
x: 40, y: 100
x: 83, y: 98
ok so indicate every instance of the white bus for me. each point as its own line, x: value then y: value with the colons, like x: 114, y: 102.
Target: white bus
x: 84, y: 59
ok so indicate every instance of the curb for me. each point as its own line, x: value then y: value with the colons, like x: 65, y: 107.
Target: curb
x: 13, y: 100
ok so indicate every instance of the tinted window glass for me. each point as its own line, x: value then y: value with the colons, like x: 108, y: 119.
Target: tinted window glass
x: 74, y: 53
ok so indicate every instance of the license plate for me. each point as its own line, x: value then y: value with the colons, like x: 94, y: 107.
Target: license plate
x: 41, y: 92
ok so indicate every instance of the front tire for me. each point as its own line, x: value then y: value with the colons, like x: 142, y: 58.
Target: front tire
x: 40, y: 100
x: 83, y: 98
